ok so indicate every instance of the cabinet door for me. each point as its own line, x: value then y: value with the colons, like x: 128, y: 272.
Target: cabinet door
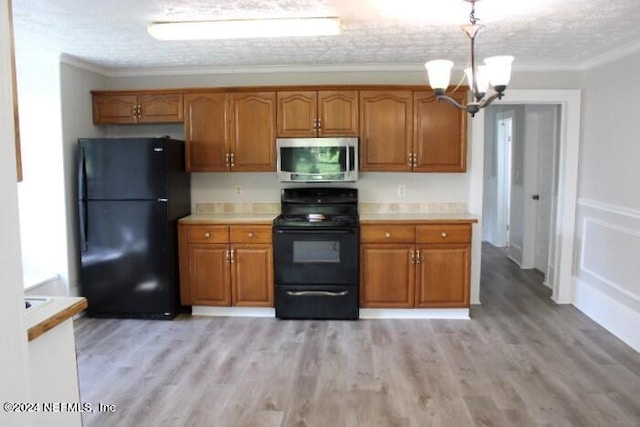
x: 252, y: 275
x: 440, y: 134
x: 209, y: 274
x: 386, y: 122
x: 443, y: 276
x: 253, y: 130
x: 387, y: 276
x: 114, y: 109
x: 161, y: 108
x: 297, y: 113
x: 338, y: 113
x: 206, y: 130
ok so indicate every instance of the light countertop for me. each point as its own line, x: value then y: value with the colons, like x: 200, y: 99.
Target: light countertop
x: 230, y: 218
x: 53, y: 311
x: 417, y: 217
x: 261, y: 218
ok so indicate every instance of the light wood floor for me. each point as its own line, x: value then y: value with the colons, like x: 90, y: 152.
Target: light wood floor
x: 520, y: 361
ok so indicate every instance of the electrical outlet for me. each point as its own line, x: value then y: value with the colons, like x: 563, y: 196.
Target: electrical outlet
x: 238, y: 190
x: 402, y: 190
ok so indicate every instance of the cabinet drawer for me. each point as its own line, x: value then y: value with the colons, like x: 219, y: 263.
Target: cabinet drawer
x: 387, y: 233
x: 443, y: 233
x: 250, y: 234
x: 207, y: 234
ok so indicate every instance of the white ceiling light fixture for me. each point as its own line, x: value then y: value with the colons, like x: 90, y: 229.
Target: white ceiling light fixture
x: 493, y: 77
x: 245, y: 28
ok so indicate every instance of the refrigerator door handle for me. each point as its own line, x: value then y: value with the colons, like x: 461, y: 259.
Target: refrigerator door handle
x: 82, y: 199
x: 82, y: 175
x: 82, y: 214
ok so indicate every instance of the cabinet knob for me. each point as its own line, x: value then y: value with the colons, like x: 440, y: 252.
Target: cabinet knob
x: 207, y: 235
x: 251, y: 235
x: 387, y: 235
x: 444, y: 235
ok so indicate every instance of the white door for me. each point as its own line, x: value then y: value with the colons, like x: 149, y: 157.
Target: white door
x: 546, y: 193
x: 505, y: 136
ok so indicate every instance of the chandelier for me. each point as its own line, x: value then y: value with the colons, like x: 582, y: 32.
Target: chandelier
x: 487, y: 82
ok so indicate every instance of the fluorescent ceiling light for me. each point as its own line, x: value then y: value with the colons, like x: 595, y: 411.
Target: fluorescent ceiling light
x: 244, y: 28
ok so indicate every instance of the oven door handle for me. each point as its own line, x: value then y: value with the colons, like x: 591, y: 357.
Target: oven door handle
x: 316, y: 231
x: 317, y: 293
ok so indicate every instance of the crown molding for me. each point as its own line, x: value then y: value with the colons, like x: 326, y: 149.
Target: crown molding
x: 260, y: 69
x: 327, y: 68
x: 612, y: 56
x: 315, y: 68
x: 82, y: 64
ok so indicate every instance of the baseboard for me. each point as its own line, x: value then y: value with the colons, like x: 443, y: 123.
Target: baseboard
x: 414, y: 313
x: 198, y: 310
x: 365, y: 313
x: 616, y: 317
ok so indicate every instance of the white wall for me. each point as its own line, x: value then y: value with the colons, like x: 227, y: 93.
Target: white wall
x: 14, y: 378
x: 41, y: 193
x: 608, y: 228
x: 77, y: 121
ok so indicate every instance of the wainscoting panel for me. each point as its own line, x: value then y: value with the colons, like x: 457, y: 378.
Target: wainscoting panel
x: 608, y: 268
x: 610, y: 254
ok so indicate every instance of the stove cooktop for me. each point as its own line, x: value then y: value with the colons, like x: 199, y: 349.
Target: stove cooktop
x: 318, y: 207
x: 316, y: 220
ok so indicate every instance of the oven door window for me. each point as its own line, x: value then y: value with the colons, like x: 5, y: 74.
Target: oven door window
x: 316, y: 252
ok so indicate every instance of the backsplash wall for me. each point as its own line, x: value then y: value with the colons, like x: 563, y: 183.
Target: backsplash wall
x: 373, y: 187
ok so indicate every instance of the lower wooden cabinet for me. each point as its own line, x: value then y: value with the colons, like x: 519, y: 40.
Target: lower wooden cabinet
x: 415, y: 265
x: 224, y: 265
x: 388, y: 276
x: 443, y: 276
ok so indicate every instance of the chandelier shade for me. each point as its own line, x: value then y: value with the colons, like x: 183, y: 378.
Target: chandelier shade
x: 439, y: 72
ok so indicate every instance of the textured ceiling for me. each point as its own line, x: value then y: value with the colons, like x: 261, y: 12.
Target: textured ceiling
x: 539, y: 33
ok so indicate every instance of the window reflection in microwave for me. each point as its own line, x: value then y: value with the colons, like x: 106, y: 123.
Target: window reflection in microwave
x: 316, y: 252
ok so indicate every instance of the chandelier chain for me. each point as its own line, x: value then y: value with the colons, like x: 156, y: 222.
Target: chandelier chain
x: 472, y: 15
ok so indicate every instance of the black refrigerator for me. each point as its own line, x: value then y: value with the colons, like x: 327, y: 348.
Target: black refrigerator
x: 131, y: 192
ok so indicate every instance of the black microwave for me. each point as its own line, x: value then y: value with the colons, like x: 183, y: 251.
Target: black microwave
x: 317, y: 159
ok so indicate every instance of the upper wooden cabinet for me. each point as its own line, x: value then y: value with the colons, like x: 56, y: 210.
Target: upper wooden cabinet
x: 317, y: 113
x: 439, y: 134
x: 400, y: 128
x: 404, y: 131
x: 230, y: 131
x: 120, y: 108
x: 206, y: 129
x: 253, y: 129
x: 386, y: 130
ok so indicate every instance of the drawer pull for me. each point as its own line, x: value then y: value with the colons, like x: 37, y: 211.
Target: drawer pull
x: 444, y: 235
x: 251, y: 235
x: 387, y: 235
x: 317, y: 293
x: 207, y: 235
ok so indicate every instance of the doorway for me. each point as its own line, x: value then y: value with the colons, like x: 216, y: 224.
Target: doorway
x: 560, y: 278
x: 520, y: 186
